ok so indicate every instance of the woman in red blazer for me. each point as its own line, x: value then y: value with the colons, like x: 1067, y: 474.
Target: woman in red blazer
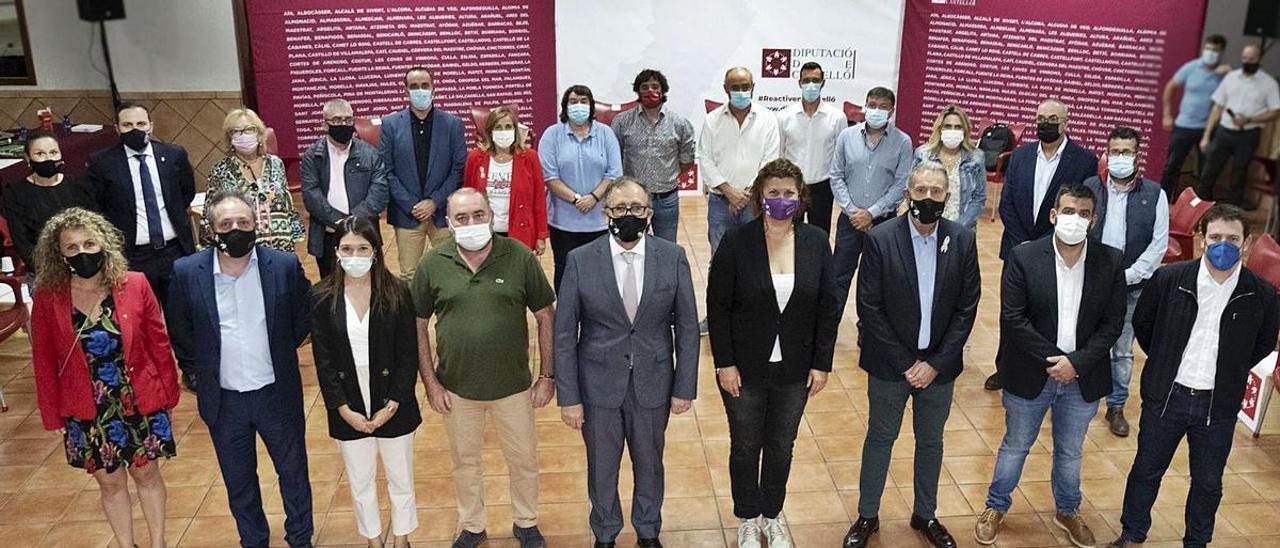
x: 105, y: 375
x: 509, y: 173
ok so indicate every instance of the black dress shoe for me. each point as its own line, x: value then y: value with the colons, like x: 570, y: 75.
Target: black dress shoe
x: 934, y: 532
x: 860, y: 532
x: 602, y: 544
x: 189, y: 380
x: 993, y: 382
x: 649, y: 543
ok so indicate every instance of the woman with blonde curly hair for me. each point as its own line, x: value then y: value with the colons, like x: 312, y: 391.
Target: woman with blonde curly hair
x: 105, y: 374
x: 248, y: 168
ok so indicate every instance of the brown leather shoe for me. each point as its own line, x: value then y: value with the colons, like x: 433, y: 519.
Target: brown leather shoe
x: 1116, y: 421
x: 1120, y: 542
x: 993, y: 382
x: 1076, y: 529
x: 988, y: 527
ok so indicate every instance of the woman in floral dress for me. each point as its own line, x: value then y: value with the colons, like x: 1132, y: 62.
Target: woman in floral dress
x: 105, y: 373
x: 249, y: 169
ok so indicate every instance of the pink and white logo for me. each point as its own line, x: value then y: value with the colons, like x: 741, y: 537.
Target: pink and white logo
x: 775, y: 63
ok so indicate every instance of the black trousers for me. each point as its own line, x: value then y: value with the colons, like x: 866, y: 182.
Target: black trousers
x: 763, y: 421
x: 157, y: 265
x: 1181, y: 143
x: 562, y: 242
x: 820, y: 202
x: 1239, y: 146
x: 329, y: 259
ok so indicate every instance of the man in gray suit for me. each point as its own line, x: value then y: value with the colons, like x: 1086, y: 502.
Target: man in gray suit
x: 626, y: 302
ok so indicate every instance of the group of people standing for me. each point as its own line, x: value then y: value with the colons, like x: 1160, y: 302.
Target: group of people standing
x: 123, y: 301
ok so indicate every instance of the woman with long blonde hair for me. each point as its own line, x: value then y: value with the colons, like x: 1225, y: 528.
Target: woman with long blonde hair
x: 950, y: 144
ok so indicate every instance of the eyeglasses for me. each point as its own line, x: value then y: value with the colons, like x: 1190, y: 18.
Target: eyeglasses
x: 619, y: 211
x: 236, y: 132
x: 920, y: 193
x: 340, y: 120
x: 1050, y: 119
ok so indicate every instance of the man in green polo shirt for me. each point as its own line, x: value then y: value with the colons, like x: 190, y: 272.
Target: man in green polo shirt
x: 478, y: 287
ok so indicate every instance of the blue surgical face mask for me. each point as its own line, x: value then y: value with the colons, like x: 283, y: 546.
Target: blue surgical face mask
x: 1223, y: 255
x: 420, y: 98
x: 579, y: 112
x: 740, y: 99
x: 810, y: 92
x: 1121, y: 166
x: 1209, y: 57
x: 877, y: 117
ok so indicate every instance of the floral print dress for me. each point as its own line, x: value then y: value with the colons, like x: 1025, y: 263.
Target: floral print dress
x: 118, y: 435
x: 279, y: 224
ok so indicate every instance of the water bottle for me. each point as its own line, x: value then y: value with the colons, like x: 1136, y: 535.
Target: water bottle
x: 66, y: 123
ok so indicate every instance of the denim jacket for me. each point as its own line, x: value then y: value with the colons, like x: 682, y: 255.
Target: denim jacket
x: 973, y: 184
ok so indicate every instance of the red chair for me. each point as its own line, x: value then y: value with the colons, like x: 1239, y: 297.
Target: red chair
x: 15, y: 317
x: 996, y: 177
x: 853, y: 113
x: 272, y: 144
x: 1264, y: 259
x: 369, y: 130
x: 480, y: 115
x: 1183, y: 217
x: 711, y: 105
x: 606, y: 111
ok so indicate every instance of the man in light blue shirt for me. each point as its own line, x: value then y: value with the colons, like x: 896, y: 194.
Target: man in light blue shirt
x: 242, y: 320
x: 1197, y: 78
x: 868, y: 176
x: 1133, y: 216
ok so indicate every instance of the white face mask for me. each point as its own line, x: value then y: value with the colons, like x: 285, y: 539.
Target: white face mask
x: 357, y: 267
x: 1071, y: 229
x: 951, y: 138
x: 877, y: 117
x: 472, y: 237
x: 503, y: 138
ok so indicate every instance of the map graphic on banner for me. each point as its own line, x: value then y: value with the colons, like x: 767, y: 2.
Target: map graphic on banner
x: 482, y: 53
x: 1108, y: 61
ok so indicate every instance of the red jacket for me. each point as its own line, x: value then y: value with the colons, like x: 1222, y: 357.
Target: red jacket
x: 528, y: 217
x: 147, y: 355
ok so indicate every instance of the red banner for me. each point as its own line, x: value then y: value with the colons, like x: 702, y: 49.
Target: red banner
x: 481, y: 53
x: 1108, y: 61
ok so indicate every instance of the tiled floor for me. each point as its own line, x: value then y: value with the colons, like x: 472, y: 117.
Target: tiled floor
x: 43, y: 502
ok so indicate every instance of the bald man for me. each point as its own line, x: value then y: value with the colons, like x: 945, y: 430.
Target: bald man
x: 1249, y: 98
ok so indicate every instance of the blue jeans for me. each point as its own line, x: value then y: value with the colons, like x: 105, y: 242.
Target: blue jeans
x: 720, y: 220
x: 666, y: 215
x: 1022, y: 420
x: 1160, y: 431
x: 1122, y: 356
x: 849, y: 242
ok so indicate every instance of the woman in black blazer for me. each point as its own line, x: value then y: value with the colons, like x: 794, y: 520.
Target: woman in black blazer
x: 773, y: 316
x: 369, y: 389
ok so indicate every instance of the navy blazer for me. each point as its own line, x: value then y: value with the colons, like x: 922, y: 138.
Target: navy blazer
x: 192, y: 316
x: 365, y: 179
x: 1021, y: 224
x: 448, y: 158
x: 889, y: 303
x: 111, y: 183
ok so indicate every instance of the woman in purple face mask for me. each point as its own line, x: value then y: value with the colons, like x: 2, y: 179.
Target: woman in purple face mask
x: 773, y: 316
x: 250, y: 169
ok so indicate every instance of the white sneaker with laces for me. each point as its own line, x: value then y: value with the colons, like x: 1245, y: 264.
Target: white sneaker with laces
x: 749, y: 534
x: 775, y: 531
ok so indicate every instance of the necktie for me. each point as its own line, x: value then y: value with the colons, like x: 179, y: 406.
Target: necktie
x: 630, y: 294
x: 154, y: 230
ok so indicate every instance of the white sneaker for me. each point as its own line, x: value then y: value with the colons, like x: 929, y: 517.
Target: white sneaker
x: 776, y: 532
x: 749, y: 534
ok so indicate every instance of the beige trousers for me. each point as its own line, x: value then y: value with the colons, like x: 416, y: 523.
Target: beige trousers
x: 411, y: 243
x: 465, y: 426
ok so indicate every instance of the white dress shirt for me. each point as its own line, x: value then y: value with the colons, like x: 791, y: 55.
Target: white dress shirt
x: 143, y: 235
x: 1115, y: 232
x: 810, y: 141
x: 731, y: 153
x: 1070, y: 289
x: 1199, y: 366
x: 1246, y: 96
x: 1045, y: 168
x: 358, y: 336
x: 620, y: 264
x: 338, y: 177
x: 783, y: 286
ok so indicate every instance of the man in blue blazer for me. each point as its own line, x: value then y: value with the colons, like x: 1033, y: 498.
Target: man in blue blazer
x: 424, y: 150
x: 626, y: 357
x: 244, y: 311
x: 1035, y: 173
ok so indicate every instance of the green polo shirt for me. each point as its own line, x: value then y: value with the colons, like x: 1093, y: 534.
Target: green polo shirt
x: 482, y: 334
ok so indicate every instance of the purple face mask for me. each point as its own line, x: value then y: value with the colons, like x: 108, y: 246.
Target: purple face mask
x: 781, y: 208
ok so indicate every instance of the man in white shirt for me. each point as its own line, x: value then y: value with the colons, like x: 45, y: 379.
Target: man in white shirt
x: 809, y: 130
x: 1250, y: 98
x: 1204, y: 324
x: 1132, y: 216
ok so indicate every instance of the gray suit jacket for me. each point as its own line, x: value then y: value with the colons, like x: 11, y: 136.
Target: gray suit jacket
x: 366, y: 181
x: 598, y: 349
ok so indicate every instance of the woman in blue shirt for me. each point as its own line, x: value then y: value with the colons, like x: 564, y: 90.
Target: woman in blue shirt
x: 579, y: 159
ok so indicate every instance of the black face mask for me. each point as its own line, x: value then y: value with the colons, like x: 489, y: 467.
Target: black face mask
x: 1047, y: 132
x: 237, y: 243
x: 1249, y: 68
x: 927, y: 211
x: 85, y: 265
x: 342, y: 134
x: 47, y: 168
x: 628, y: 228
x: 135, y: 139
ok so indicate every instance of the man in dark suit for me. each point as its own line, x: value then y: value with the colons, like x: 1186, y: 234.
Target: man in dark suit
x: 245, y: 310
x: 1062, y: 305
x: 425, y: 151
x: 1035, y: 173
x: 913, y: 347
x: 143, y: 187
x: 626, y: 302
x: 341, y: 177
